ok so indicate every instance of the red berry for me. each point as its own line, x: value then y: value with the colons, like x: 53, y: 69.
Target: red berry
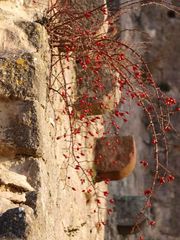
x: 154, y: 141
x: 87, y: 15
x: 106, y: 193
x: 77, y: 167
x: 144, y: 163
x: 109, y: 211
x: 147, y: 192
x: 170, y: 101
x: 107, y: 181
x: 148, y: 204
x: 152, y: 223
x: 167, y: 128
x: 162, y: 180
x: 170, y: 178
x: 111, y: 201
x: 121, y: 57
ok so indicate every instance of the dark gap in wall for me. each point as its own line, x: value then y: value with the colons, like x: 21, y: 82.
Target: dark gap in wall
x: 171, y: 14
x: 165, y: 87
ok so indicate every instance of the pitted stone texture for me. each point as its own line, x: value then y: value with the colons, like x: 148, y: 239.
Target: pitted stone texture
x: 24, y: 57
x: 31, y: 200
x: 19, y: 128
x: 27, y: 9
x: 115, y: 157
x: 17, y: 74
x: 13, y: 223
x: 13, y: 197
x: 22, y: 76
x: 18, y: 33
x: 33, y: 32
x: 14, y: 179
x: 29, y: 167
x: 6, y: 204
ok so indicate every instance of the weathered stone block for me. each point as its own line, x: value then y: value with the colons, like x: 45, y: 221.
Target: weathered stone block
x: 89, y: 107
x: 17, y: 74
x: 106, y: 103
x: 115, y: 157
x: 96, y: 96
x: 33, y: 31
x: 128, y: 213
x: 14, y: 197
x: 13, y: 223
x: 10, y: 178
x: 29, y: 167
x: 19, y: 128
x: 6, y: 204
x: 23, y: 75
x: 31, y: 199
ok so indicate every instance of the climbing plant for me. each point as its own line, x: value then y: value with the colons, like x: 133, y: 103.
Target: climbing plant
x: 107, y: 73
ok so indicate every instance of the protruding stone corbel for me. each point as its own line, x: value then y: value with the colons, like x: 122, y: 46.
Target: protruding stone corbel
x: 115, y: 157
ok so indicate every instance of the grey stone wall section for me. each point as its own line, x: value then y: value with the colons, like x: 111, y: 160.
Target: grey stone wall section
x: 163, y: 28
x: 164, y: 58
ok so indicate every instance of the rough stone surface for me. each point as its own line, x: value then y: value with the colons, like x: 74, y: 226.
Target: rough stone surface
x: 163, y: 28
x: 11, y: 178
x: 115, y: 157
x: 33, y: 32
x: 19, y: 129
x: 17, y: 75
x: 13, y: 223
x: 6, y: 204
x: 31, y: 119
x: 14, y: 197
x: 128, y: 210
x: 31, y: 199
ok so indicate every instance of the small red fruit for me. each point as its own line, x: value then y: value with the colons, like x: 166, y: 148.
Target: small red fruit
x: 152, y: 223
x: 147, y: 192
x: 170, y: 178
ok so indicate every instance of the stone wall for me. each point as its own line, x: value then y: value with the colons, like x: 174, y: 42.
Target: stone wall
x: 160, y: 27
x: 35, y: 202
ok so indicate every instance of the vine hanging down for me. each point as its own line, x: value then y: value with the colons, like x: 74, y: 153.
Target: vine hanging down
x: 108, y: 72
